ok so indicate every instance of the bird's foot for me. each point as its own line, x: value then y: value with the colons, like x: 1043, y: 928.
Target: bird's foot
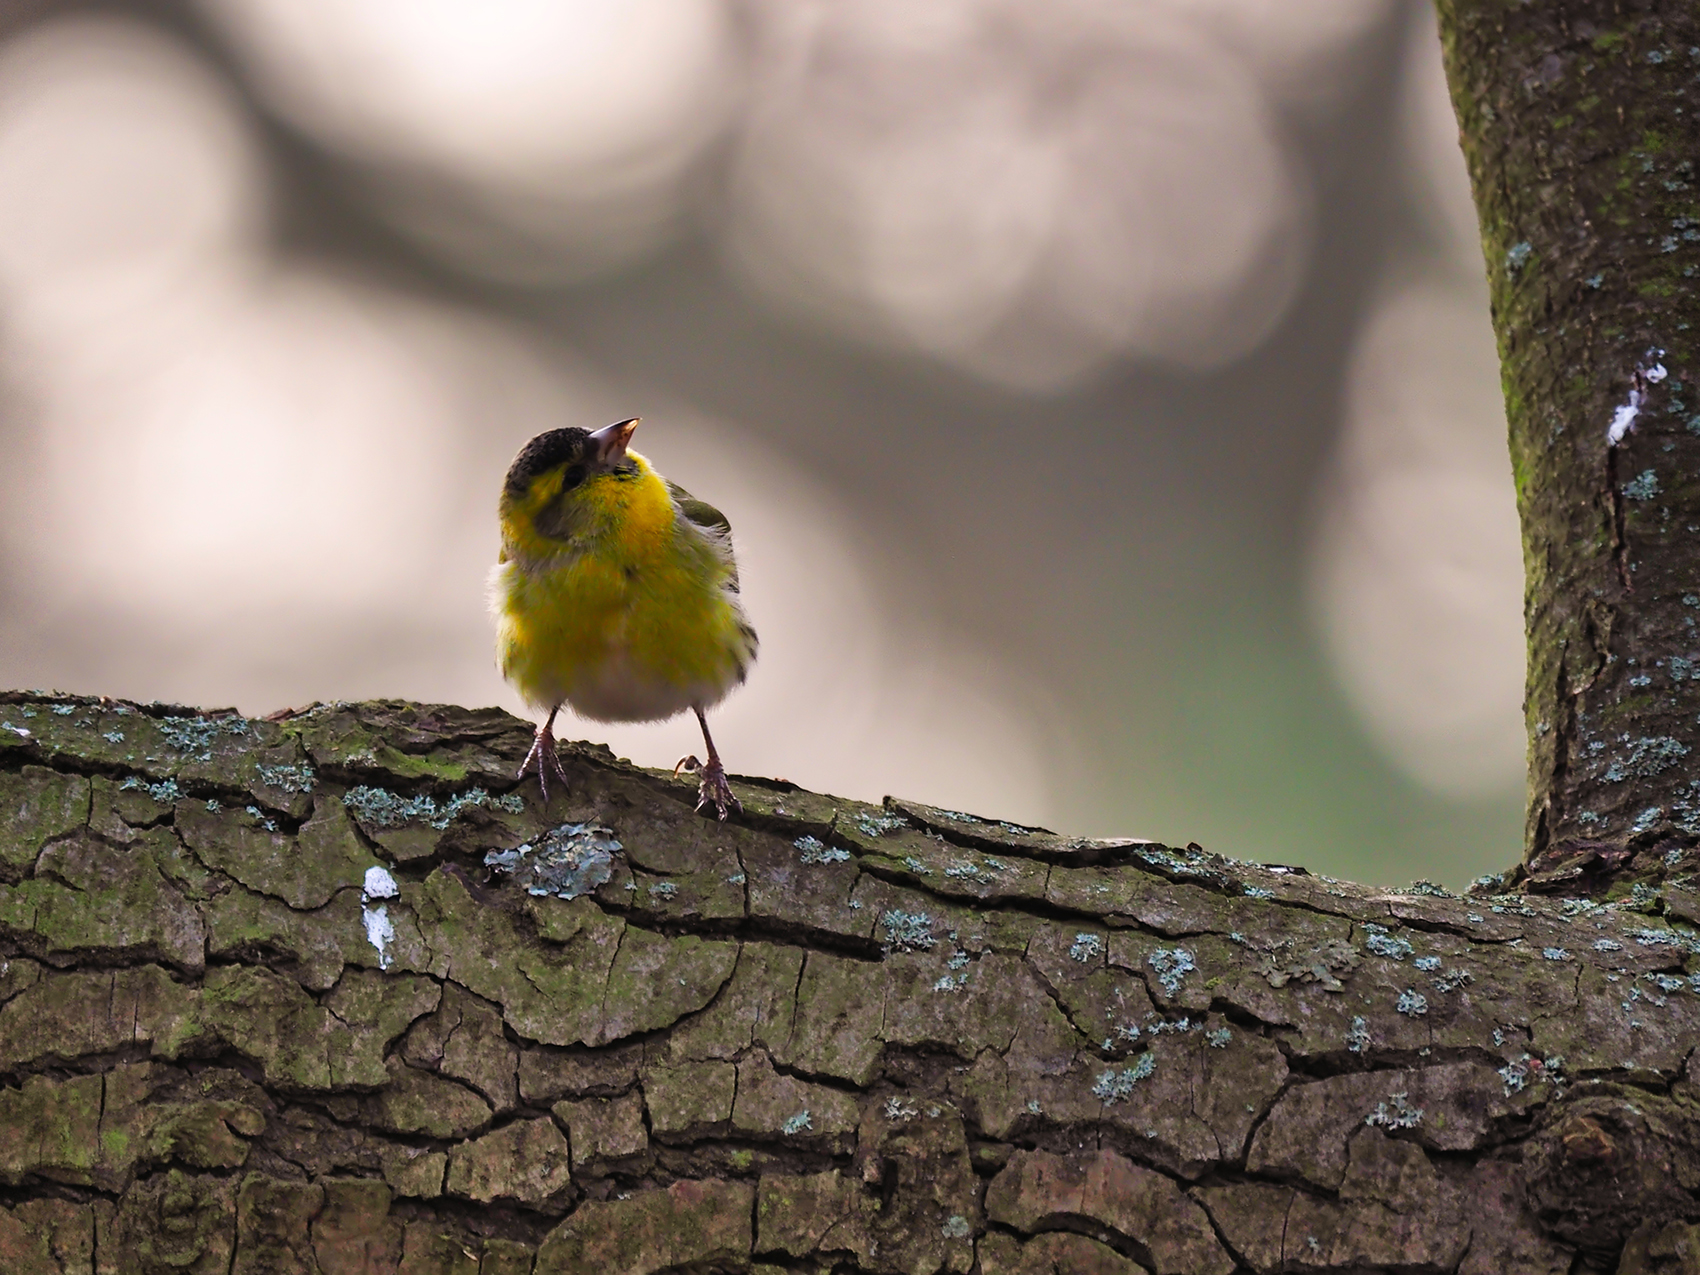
x: 712, y: 789
x: 544, y: 757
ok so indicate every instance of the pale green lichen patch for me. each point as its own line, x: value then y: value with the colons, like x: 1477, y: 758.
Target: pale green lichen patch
x: 952, y: 871
x: 567, y: 861
x: 215, y: 750
x: 379, y: 808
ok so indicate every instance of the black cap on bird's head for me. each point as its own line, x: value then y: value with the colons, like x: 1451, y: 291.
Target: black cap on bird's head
x: 588, y: 450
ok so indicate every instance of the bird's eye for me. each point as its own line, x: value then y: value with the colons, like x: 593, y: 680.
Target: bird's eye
x: 573, y: 476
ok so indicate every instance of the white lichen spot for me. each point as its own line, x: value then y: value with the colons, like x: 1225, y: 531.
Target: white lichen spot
x: 956, y: 1227
x: 1412, y: 1003
x: 379, y: 884
x: 1623, y: 418
x: 797, y: 1123
x: 380, y: 932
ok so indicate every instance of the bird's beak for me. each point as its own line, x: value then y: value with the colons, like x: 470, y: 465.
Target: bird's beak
x: 610, y: 441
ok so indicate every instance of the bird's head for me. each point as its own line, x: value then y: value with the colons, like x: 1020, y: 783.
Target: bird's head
x: 563, y: 479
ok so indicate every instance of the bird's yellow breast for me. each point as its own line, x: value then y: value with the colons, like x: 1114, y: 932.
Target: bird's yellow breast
x: 627, y: 619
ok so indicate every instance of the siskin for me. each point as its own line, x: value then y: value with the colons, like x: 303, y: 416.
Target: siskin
x: 616, y: 594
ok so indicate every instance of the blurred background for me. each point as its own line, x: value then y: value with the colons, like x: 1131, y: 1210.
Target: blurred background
x: 1103, y: 394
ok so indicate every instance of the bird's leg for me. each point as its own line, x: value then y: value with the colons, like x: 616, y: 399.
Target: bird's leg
x: 712, y: 790
x: 544, y: 756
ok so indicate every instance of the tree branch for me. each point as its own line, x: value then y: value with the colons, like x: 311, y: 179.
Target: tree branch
x: 309, y: 994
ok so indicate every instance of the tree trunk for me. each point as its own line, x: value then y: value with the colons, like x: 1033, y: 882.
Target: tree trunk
x: 332, y: 994
x: 1578, y: 124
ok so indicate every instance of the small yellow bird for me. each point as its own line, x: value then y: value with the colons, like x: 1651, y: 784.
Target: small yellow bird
x: 615, y: 593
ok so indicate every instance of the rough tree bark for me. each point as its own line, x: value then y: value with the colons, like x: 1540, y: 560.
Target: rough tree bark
x: 330, y: 994
x: 1578, y: 123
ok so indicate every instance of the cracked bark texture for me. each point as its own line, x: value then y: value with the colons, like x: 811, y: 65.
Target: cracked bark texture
x: 826, y: 1036
x: 1578, y: 124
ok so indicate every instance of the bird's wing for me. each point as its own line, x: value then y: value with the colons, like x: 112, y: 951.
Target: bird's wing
x: 706, y: 518
x: 700, y: 512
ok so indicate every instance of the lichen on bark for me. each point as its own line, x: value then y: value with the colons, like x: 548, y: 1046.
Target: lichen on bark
x: 824, y: 1036
x: 1577, y: 121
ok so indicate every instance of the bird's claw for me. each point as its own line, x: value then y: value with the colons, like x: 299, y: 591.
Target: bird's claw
x: 712, y: 791
x: 546, y: 759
